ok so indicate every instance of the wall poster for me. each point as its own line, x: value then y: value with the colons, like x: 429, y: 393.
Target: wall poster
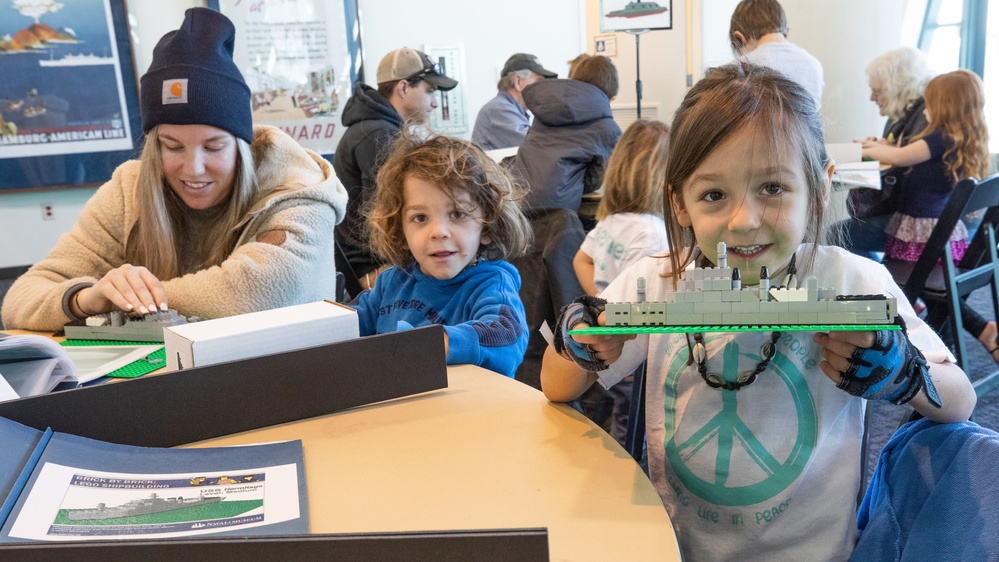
x: 68, y: 97
x: 300, y: 59
x: 451, y: 115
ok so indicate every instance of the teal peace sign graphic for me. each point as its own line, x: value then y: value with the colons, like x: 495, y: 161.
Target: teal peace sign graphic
x: 734, y: 439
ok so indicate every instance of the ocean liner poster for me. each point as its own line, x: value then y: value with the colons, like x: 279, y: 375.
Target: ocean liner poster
x: 62, y: 90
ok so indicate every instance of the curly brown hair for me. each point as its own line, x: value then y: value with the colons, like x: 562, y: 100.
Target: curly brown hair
x: 454, y: 166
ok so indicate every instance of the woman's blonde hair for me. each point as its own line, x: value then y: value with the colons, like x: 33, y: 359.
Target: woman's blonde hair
x: 455, y: 166
x: 152, y: 240
x: 956, y: 104
x: 636, y: 170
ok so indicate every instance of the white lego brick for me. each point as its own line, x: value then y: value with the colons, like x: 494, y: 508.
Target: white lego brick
x: 716, y: 307
x: 775, y: 307
x: 808, y: 318
x: 712, y: 319
x: 788, y: 318
x: 836, y: 318
x: 732, y: 296
x: 711, y: 297
x: 746, y: 307
x: 752, y: 295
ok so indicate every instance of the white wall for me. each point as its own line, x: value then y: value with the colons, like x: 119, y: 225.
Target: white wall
x: 555, y: 31
x: 550, y: 29
x: 818, y: 27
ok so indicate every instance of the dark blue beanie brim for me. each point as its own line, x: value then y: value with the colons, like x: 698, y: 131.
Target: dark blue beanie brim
x: 196, y: 60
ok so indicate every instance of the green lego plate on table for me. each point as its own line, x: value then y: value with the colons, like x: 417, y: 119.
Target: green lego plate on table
x: 622, y: 330
x: 153, y: 361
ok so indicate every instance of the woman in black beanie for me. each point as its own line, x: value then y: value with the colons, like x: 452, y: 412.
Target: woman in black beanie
x: 217, y: 217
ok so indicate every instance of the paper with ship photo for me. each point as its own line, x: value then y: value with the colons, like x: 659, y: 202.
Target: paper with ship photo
x: 68, y: 503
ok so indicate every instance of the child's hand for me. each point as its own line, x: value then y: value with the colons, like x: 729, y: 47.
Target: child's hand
x: 607, y: 348
x: 591, y: 352
x: 876, y: 365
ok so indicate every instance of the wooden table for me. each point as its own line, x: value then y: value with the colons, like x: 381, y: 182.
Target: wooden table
x: 487, y: 452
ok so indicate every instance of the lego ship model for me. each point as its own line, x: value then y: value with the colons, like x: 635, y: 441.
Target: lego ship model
x: 123, y: 326
x: 713, y: 300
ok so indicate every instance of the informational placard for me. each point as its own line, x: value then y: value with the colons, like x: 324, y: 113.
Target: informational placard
x: 451, y: 115
x: 298, y: 57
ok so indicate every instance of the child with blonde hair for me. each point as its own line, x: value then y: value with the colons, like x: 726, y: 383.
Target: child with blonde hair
x: 765, y: 466
x: 447, y: 216
x: 630, y: 216
x: 953, y: 146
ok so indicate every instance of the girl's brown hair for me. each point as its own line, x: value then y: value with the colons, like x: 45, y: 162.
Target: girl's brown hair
x: 454, y: 166
x: 956, y: 104
x: 724, y: 102
x: 633, y: 182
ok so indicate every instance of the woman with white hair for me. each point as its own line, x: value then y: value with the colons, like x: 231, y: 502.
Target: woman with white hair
x: 897, y: 79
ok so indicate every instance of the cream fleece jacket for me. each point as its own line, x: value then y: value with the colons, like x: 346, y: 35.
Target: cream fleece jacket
x: 299, y: 196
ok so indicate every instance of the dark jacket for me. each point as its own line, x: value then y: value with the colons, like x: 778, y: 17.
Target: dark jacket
x: 566, y: 149
x: 372, y: 124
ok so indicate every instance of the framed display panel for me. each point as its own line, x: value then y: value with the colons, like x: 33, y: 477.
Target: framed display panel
x: 300, y: 59
x: 450, y: 117
x: 69, y: 106
x: 622, y: 15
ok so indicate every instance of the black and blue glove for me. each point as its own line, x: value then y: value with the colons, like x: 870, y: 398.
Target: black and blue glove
x: 583, y: 310
x: 892, y: 369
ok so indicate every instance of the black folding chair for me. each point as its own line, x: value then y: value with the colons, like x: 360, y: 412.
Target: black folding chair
x: 941, y: 284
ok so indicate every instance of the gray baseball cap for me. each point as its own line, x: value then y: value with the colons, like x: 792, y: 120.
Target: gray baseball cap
x: 524, y: 61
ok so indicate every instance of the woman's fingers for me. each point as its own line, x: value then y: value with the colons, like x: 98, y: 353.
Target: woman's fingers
x: 133, y: 288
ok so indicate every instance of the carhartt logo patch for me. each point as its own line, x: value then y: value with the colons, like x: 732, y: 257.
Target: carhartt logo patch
x: 175, y: 91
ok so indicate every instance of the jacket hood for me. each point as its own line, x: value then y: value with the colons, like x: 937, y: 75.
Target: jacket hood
x: 366, y: 103
x: 286, y: 170
x: 558, y: 102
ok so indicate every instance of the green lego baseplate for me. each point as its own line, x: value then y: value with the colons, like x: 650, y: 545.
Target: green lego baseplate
x: 153, y: 361
x: 625, y: 330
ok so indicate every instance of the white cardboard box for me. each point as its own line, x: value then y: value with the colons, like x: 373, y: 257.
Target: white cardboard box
x: 258, y: 333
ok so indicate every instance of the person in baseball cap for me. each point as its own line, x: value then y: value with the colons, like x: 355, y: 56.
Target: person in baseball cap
x: 412, y: 66
x: 216, y: 217
x: 408, y: 81
x: 503, y: 122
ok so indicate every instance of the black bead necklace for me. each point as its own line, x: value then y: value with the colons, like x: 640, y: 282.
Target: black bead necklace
x: 699, y: 353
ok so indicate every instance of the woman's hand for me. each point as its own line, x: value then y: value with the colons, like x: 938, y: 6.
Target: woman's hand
x: 129, y: 287
x: 872, y: 141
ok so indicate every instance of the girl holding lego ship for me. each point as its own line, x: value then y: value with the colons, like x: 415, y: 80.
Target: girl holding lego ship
x: 216, y: 218
x: 769, y: 464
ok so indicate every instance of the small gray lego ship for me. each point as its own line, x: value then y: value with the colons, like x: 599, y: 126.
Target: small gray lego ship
x: 637, y: 9
x: 122, y: 326
x: 714, y: 298
x: 143, y: 506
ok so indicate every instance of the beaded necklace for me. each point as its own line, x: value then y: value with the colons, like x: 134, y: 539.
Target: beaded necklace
x: 699, y: 353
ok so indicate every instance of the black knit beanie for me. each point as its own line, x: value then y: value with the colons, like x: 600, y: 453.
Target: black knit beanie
x: 193, y: 79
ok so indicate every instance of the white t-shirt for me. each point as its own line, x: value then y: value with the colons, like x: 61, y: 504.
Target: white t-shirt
x: 771, y: 471
x: 792, y: 61
x: 620, y: 240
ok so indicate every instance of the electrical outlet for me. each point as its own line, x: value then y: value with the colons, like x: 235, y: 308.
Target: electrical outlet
x: 48, y: 212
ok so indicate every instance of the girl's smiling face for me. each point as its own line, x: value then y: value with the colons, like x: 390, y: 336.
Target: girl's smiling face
x: 751, y: 193
x: 199, y: 163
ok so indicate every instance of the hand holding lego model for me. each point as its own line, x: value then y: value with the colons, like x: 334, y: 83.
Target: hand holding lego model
x: 876, y: 365
x: 129, y: 287
x: 591, y: 352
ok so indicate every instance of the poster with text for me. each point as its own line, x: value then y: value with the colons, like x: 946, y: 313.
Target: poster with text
x: 294, y: 56
x: 62, y: 90
x: 451, y: 115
